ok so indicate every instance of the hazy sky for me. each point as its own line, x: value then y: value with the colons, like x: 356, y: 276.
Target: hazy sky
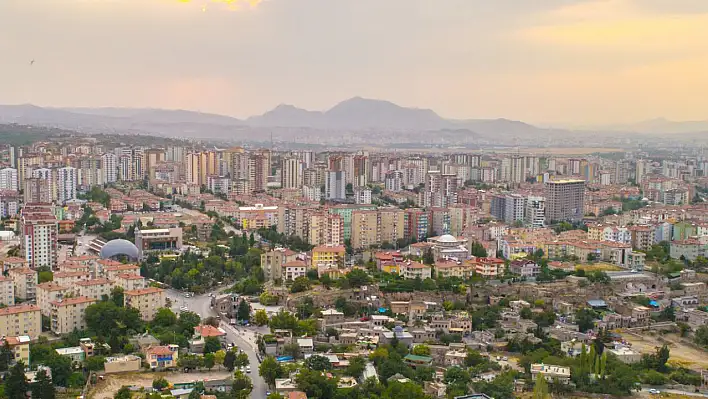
x: 575, y: 61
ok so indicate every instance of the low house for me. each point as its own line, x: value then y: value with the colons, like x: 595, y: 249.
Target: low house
x: 162, y: 357
x: 201, y: 333
x: 626, y: 355
x: 306, y: 345
x: 20, y: 348
x: 75, y: 353
x: 122, y: 364
x: 550, y: 372
x: 415, y: 360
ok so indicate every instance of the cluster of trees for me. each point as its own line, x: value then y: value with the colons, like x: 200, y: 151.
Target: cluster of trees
x: 197, y: 273
x: 293, y: 242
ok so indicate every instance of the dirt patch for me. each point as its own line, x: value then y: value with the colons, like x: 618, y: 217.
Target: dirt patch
x: 603, y: 267
x: 680, y: 353
x: 113, y: 382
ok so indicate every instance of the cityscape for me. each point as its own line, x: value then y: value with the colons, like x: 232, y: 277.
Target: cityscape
x: 353, y: 199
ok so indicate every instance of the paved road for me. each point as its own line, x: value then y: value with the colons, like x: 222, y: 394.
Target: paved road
x: 243, y: 338
x: 645, y: 392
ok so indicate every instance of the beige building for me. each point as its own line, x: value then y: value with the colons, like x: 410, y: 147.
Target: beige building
x: 7, y: 291
x: 111, y: 272
x: 69, y: 314
x: 47, y: 293
x: 147, y: 301
x: 122, y: 364
x: 95, y: 288
x: 565, y: 200
x: 272, y: 262
x: 20, y: 320
x: 68, y: 279
x: 20, y: 347
x: 25, y: 281
x: 130, y: 282
x: 391, y: 223
x: 365, y: 229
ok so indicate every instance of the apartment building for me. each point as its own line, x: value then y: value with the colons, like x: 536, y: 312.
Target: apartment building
x: 272, y: 262
x: 146, y: 300
x: 642, y: 237
x: 38, y: 235
x: 413, y: 270
x: 157, y: 240
x: 365, y: 229
x: 111, y: 272
x: 294, y: 269
x: 67, y: 315
x: 391, y: 225
x: 94, y: 288
x: 130, y: 282
x: 20, y: 348
x: 7, y: 291
x: 20, y: 320
x: 162, y: 357
x: 49, y: 292
x: 565, y: 200
x: 328, y: 255
x: 489, y: 267
x: 25, y: 280
x: 68, y: 279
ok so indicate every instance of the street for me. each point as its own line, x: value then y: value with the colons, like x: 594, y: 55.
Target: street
x: 243, y: 338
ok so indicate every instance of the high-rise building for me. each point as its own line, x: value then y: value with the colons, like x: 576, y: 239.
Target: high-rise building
x: 8, y: 179
x: 259, y: 170
x: 513, y: 169
x: 394, y: 181
x: 440, y: 189
x: 193, y: 168
x: 38, y: 230
x: 360, y: 170
x: 152, y: 158
x: 565, y: 200
x: 131, y: 163
x: 36, y: 190
x: 66, y: 184
x: 391, y: 225
x: 335, y: 185
x: 291, y: 173
x: 49, y: 176
x: 535, y: 212
x: 365, y: 229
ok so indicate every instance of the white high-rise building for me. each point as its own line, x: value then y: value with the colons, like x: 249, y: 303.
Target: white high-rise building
x: 8, y: 179
x: 109, y: 165
x: 291, y: 173
x: 336, y: 185
x: 394, y: 181
x: 535, y: 212
x: 47, y: 175
x: 66, y: 184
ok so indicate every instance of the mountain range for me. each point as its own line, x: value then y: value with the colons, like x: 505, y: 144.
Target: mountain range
x: 353, y: 115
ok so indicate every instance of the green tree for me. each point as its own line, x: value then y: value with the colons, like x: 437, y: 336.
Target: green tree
x: 230, y: 360
x: 317, y: 362
x: 540, y: 388
x: 6, y: 357
x: 244, y: 310
x: 164, y: 318
x: 219, y: 357
x: 242, y: 386
x: 428, y: 257
x: 43, y: 388
x: 356, y: 367
x: 358, y: 278
x: 61, y: 369
x: 123, y: 393
x: 76, y: 380
x: 474, y: 358
x: 585, y: 318
x: 261, y: 317
x: 300, y: 284
x: 270, y: 369
x: 95, y: 363
x: 16, y: 385
x: 478, y: 250
x: 209, y: 360
x: 315, y: 384
x: 241, y: 360
x: 421, y: 350
x: 45, y: 276
x: 211, y: 345
x: 160, y: 384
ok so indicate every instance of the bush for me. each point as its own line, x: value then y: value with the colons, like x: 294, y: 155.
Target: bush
x: 653, y: 377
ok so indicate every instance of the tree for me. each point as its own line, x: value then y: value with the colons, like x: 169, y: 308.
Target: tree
x: 270, y: 369
x: 230, y: 360
x: 219, y: 357
x: 315, y: 384
x: 16, y: 386
x: 6, y: 357
x: 260, y: 317
x: 317, y: 362
x: 159, y: 384
x: 95, y: 363
x: 209, y: 360
x: 61, y: 368
x: 211, y: 344
x: 244, y: 310
x: 242, y: 386
x: 526, y: 313
x: 123, y: 393
x: 76, y: 380
x: 428, y: 257
x: 585, y: 318
x: 540, y: 388
x: 300, y: 284
x: 478, y: 250
x: 356, y: 367
x: 241, y: 360
x: 421, y: 350
x: 474, y: 358
x: 165, y: 318
x: 358, y: 278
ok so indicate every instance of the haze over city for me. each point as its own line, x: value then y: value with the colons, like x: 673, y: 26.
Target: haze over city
x: 579, y: 63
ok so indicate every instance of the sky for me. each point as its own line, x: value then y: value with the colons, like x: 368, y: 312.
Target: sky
x: 540, y: 61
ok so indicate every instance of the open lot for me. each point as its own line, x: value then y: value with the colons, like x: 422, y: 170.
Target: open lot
x: 107, y: 388
x: 603, y: 267
x: 681, y: 353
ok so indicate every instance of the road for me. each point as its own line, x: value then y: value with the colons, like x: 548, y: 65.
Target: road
x: 645, y: 393
x: 243, y: 338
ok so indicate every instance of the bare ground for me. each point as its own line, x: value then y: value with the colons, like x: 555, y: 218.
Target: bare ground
x: 113, y: 382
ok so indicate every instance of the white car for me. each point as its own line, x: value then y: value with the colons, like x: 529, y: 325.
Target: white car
x: 248, y: 369
x: 184, y: 309
x: 654, y: 391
